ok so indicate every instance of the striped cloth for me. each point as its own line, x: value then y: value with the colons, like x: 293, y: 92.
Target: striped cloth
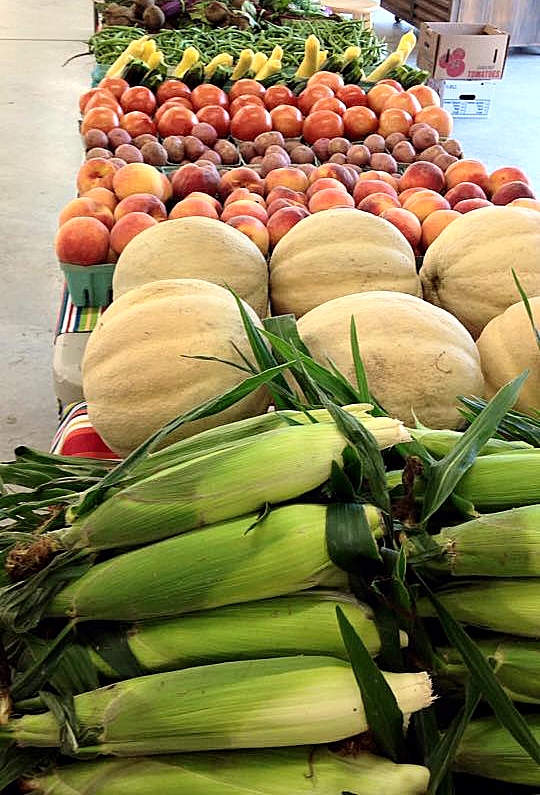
x: 73, y: 318
x: 76, y: 436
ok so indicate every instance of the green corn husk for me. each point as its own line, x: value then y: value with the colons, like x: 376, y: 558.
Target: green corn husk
x: 498, y: 482
x: 268, y: 469
x: 504, y: 544
x: 488, y: 750
x: 516, y: 665
x: 276, y: 771
x: 245, y: 704
x: 440, y: 442
x: 502, y: 605
x: 232, y: 562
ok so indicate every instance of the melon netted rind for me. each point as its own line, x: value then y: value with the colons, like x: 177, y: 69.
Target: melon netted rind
x: 467, y: 270
x: 508, y: 346
x: 338, y: 252
x: 418, y: 358
x: 195, y: 248
x: 136, y: 376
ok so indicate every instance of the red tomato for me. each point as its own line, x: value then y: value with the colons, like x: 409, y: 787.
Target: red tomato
x: 330, y: 103
x: 242, y: 101
x: 249, y: 122
x: 175, y: 102
x: 217, y: 117
x: 177, y: 121
x: 322, y: 124
x: 172, y: 88
x: 278, y: 95
x: 310, y: 95
x: 246, y: 86
x: 138, y: 98
x: 359, y: 122
x: 138, y: 123
x: 207, y: 94
x: 116, y: 85
x: 391, y: 82
x: 100, y: 119
x: 104, y: 101
x: 352, y: 95
x: 287, y: 120
x: 331, y: 79
x: 83, y: 99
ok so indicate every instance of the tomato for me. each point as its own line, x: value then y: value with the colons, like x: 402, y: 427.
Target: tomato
x: 322, y: 124
x: 207, y: 94
x: 310, y: 95
x: 138, y: 123
x: 331, y: 79
x: 287, y: 120
x: 177, y: 120
x: 217, y: 117
x: 359, y: 122
x: 83, y: 99
x: 116, y: 85
x: 246, y: 86
x: 394, y: 120
x: 278, y: 95
x: 403, y: 101
x: 352, y: 95
x: 242, y: 101
x: 393, y: 83
x: 172, y: 88
x: 138, y: 98
x: 378, y: 95
x: 249, y: 122
x: 330, y: 103
x: 104, y: 119
x: 98, y: 101
x: 175, y: 102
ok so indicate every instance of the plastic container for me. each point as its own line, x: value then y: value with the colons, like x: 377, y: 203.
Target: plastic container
x: 89, y: 285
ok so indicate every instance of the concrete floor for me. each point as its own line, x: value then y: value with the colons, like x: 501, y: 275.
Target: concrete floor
x: 38, y: 130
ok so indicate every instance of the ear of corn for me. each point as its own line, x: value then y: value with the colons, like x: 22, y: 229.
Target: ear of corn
x: 488, y: 750
x: 502, y: 605
x: 496, y: 482
x: 229, y: 563
x: 280, y: 771
x: 439, y: 443
x: 271, y: 468
x: 246, y: 704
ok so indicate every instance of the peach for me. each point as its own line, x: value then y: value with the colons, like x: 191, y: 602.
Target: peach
x: 407, y: 223
x: 323, y: 184
x: 467, y: 205
x: 365, y: 187
x: 241, y: 177
x: 404, y: 195
x: 290, y: 177
x: 167, y: 190
x: 254, y: 229
x: 189, y: 207
x: 334, y: 171
x: 531, y: 204
x: 434, y: 223
x: 377, y: 203
x: 96, y: 173
x: 127, y: 227
x: 505, y: 174
x: 422, y: 174
x: 103, y: 196
x: 279, y: 204
x: 328, y: 199
x: 280, y: 222
x: 141, y: 203
x: 464, y: 190
x: 281, y: 192
x: 89, y: 208
x: 424, y: 202
x: 82, y: 241
x: 244, y: 193
x: 137, y: 178
x: 467, y: 171
x: 205, y: 197
x: 244, y: 207
x: 384, y: 176
x: 512, y: 190
x: 190, y: 178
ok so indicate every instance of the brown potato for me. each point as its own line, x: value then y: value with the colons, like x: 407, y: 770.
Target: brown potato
x: 339, y: 146
x: 404, y: 152
x: 453, y: 147
x: 205, y: 133
x: 227, y: 151
x: 129, y: 153
x: 444, y: 160
x: 193, y: 147
x: 358, y: 155
x: 174, y: 146
x: 381, y: 161
x: 375, y: 143
x: 155, y: 154
x: 302, y: 154
x: 338, y: 157
x: 320, y: 149
x: 393, y: 139
x: 291, y: 143
x: 430, y: 153
x: 211, y: 156
x: 98, y: 151
x: 423, y: 139
x: 266, y: 139
x: 141, y: 140
x: 96, y: 138
x: 273, y: 160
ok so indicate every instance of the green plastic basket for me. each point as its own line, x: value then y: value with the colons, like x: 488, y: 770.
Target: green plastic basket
x: 89, y: 285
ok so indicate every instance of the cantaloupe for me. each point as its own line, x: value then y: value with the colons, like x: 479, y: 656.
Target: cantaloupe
x: 195, y: 248
x: 468, y: 268
x: 508, y: 346
x: 135, y: 373
x: 418, y: 357
x: 338, y: 252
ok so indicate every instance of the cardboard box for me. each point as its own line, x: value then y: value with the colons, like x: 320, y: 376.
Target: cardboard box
x: 451, y: 51
x: 466, y: 99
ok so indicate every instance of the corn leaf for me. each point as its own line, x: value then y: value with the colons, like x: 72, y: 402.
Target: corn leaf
x: 525, y: 299
x: 16, y: 762
x: 484, y: 679
x: 423, y: 736
x: 349, y: 538
x: 384, y: 717
x: 444, y: 475
x: 513, y: 426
